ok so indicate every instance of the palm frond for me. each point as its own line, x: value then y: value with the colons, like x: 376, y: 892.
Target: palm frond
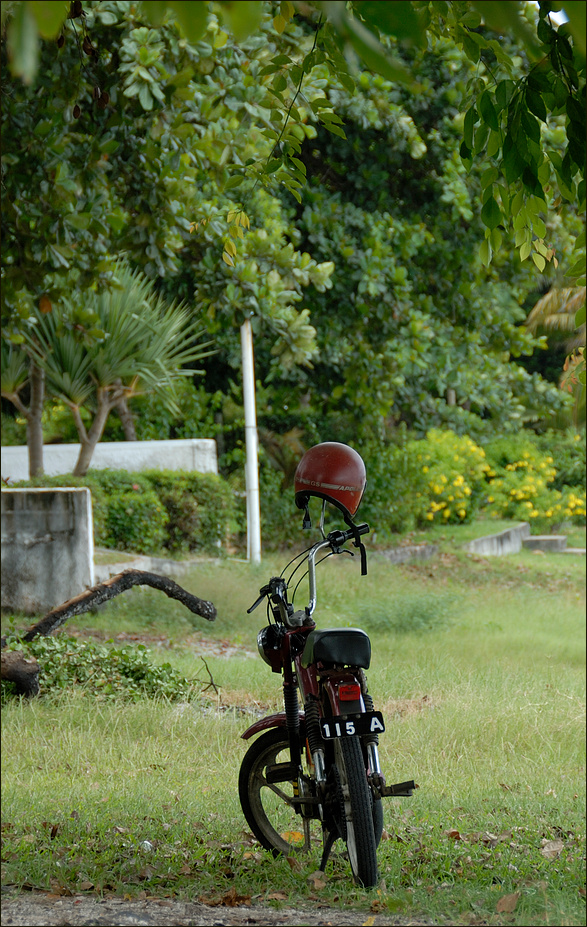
x: 15, y: 369
x: 557, y: 309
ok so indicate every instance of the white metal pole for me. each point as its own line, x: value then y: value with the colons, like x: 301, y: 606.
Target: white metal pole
x: 251, y: 446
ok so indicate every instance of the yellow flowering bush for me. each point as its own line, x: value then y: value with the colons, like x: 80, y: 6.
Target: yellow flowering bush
x: 452, y: 472
x: 520, y: 486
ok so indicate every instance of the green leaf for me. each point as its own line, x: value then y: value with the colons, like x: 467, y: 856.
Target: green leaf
x: 471, y: 118
x: 525, y: 250
x: 487, y: 111
x: 531, y: 127
x: 23, y: 44
x: 485, y: 253
x: 49, y: 17
x: 504, y: 92
x: 368, y: 47
x: 535, y: 104
x: 233, y: 181
x: 398, y: 19
x: 576, y: 11
x: 580, y: 316
x: 539, y: 261
x: 491, y: 213
x: 243, y: 17
x: 504, y: 18
x: 145, y: 97
x: 578, y: 268
x: 192, y: 17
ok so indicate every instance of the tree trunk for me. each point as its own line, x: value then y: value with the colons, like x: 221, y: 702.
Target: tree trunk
x: 127, y: 420
x: 89, y: 439
x: 126, y: 417
x: 34, y: 424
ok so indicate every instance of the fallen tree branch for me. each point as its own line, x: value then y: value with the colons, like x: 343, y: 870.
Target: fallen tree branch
x: 102, y: 592
x: 22, y: 671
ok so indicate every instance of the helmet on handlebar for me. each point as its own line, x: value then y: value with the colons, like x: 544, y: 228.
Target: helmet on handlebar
x: 334, y: 472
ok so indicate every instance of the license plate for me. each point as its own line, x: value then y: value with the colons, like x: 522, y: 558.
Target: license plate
x: 371, y: 722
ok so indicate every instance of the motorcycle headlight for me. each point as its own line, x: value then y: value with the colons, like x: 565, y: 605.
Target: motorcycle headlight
x: 263, y: 643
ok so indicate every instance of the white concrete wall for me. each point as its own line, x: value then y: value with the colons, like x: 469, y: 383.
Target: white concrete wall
x: 183, y: 454
x: 47, y: 547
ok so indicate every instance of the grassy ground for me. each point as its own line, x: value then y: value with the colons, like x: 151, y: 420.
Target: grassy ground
x: 479, y: 668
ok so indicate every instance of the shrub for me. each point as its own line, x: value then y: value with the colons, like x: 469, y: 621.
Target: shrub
x: 521, y: 485
x: 145, y: 512
x: 199, y: 508
x: 436, y: 479
x: 136, y: 521
x: 568, y: 452
x: 101, y: 671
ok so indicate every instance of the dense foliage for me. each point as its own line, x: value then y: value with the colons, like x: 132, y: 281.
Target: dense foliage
x: 101, y: 671
x: 258, y: 172
x: 156, y: 510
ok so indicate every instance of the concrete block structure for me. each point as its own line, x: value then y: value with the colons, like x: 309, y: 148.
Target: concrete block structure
x: 47, y: 547
x: 506, y: 542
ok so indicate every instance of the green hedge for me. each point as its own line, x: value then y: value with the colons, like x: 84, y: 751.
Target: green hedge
x: 155, y: 510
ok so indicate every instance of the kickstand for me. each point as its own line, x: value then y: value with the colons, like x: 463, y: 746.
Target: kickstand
x: 328, y: 843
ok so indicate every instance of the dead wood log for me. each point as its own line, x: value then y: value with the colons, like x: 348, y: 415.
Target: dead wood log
x: 110, y: 588
x: 22, y: 671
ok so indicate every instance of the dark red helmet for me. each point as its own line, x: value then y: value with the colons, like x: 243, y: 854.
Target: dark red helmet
x: 334, y: 472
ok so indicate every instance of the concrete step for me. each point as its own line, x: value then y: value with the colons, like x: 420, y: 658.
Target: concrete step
x: 506, y: 542
x: 546, y: 542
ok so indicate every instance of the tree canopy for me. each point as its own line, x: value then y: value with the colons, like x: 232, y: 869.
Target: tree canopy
x: 377, y: 185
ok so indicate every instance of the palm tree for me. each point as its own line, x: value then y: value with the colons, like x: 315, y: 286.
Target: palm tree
x: 19, y: 371
x: 146, y: 346
x: 556, y: 311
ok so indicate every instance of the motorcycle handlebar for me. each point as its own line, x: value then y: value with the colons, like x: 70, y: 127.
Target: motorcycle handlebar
x: 277, y: 589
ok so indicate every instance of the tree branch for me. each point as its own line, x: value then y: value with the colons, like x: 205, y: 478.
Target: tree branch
x: 110, y: 588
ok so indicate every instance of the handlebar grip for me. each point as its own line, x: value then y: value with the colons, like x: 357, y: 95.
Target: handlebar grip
x: 360, y: 529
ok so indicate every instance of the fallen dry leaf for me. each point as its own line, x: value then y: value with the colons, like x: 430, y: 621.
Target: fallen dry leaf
x: 317, y: 879
x: 230, y: 899
x: 507, y: 903
x: 277, y: 896
x: 551, y: 848
x: 294, y: 863
x: 453, y: 834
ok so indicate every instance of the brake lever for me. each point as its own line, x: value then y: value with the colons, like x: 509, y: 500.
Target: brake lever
x: 265, y: 590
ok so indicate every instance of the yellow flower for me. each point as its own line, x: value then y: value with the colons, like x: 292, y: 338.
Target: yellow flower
x: 446, y: 513
x: 429, y: 516
x: 425, y: 469
x: 462, y: 513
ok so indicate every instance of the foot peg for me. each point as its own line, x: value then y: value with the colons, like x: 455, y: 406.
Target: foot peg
x: 400, y: 789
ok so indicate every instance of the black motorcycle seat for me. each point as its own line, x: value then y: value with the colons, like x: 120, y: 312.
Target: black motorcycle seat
x: 342, y: 646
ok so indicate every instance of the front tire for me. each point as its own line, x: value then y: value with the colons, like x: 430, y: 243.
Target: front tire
x: 269, y: 807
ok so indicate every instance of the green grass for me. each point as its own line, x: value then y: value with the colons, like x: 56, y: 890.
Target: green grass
x: 479, y: 668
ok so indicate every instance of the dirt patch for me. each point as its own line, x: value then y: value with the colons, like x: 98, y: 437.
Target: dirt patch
x: 197, y: 643
x: 46, y: 910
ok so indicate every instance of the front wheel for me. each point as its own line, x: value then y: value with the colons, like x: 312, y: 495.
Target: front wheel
x: 271, y: 807
x: 358, y: 826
